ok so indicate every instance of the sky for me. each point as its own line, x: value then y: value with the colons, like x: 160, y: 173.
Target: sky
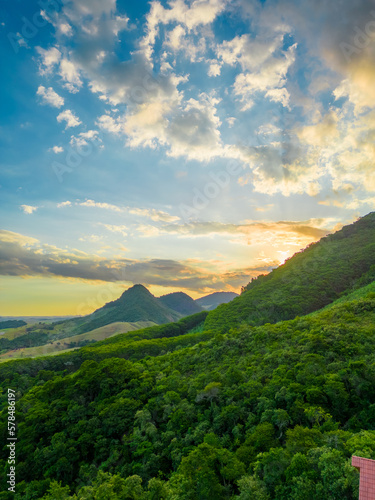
x: 185, y: 145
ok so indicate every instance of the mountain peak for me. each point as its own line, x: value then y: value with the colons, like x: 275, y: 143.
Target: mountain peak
x: 180, y: 302
x: 138, y: 288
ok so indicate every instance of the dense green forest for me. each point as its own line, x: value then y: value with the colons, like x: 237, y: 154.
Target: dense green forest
x: 230, y: 404
x: 12, y: 323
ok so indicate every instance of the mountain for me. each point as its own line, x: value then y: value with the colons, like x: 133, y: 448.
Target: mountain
x: 138, y: 304
x: 308, y: 281
x: 180, y: 302
x: 210, y: 302
x: 135, y: 304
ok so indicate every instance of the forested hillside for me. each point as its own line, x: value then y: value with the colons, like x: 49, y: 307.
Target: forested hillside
x: 311, y: 279
x: 236, y: 411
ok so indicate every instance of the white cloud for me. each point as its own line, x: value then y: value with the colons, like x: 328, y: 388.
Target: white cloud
x: 28, y: 209
x: 175, y: 38
x: 279, y: 95
x: 115, y: 229
x: 69, y: 117
x: 57, y: 149
x: 148, y: 231
x: 90, y: 134
x: 153, y: 214
x: 194, y: 131
x: 65, y: 29
x: 49, y: 96
x: 106, y: 206
x: 92, y: 238
x: 250, y: 53
x: 70, y: 74
x: 155, y: 113
x: 214, y: 69
x: 64, y: 204
x: 49, y: 59
x: 358, y: 89
x: 270, y: 78
x: 84, y: 138
x: 110, y: 124
x: 81, y: 9
x: 197, y: 13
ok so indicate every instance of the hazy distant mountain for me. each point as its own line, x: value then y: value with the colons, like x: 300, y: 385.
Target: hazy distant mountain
x: 138, y: 304
x: 181, y: 302
x: 135, y: 304
x: 213, y: 300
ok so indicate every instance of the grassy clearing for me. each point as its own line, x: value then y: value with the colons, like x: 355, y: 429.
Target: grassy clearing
x: 64, y: 345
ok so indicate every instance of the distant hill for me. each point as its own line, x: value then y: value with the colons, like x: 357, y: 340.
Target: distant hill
x: 308, y: 281
x: 210, y: 302
x: 180, y: 302
x: 138, y: 304
x: 135, y: 304
x: 12, y: 323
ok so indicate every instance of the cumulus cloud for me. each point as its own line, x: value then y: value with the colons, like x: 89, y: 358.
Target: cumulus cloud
x: 153, y: 104
x: 83, y: 139
x: 250, y: 53
x: 69, y: 118
x: 57, y: 149
x: 175, y: 38
x: 49, y: 58
x: 49, y: 96
x: 155, y: 112
x: 115, y: 229
x: 341, y: 35
x: 70, y: 74
x: 190, y: 130
x: 344, y: 146
x: 64, y: 204
x: 322, y: 133
x: 28, y: 209
x: 197, y: 13
x: 286, y: 169
x: 194, y: 131
x: 269, y: 79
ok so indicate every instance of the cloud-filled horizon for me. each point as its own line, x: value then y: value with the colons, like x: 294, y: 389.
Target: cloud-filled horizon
x: 186, y: 144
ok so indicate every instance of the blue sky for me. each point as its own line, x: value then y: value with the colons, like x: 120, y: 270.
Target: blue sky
x: 186, y: 145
